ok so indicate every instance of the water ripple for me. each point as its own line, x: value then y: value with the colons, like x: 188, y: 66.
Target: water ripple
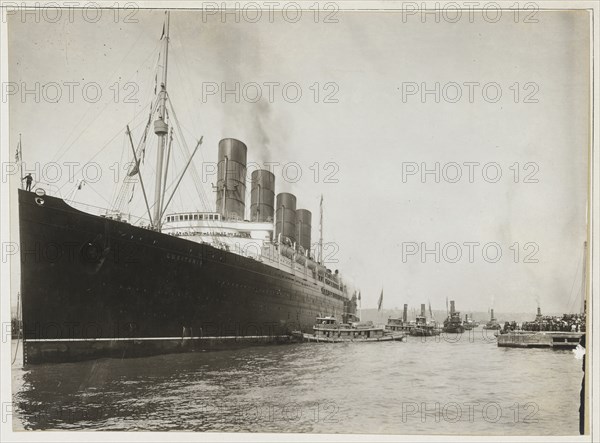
x: 431, y: 386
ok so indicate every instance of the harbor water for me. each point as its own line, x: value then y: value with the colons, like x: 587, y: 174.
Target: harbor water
x: 452, y: 384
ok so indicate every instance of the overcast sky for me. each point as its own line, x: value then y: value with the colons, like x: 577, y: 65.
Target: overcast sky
x: 371, y: 134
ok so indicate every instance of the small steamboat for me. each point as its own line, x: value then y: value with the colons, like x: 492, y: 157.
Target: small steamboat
x: 329, y: 330
x: 453, y: 324
x: 493, y: 323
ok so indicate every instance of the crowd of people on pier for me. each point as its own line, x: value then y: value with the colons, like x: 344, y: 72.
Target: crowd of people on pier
x: 564, y: 323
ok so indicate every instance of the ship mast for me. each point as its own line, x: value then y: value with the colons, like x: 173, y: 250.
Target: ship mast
x: 321, y: 231
x: 583, y: 306
x: 161, y: 129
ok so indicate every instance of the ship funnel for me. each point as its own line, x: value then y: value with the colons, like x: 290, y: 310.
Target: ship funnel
x: 451, y: 307
x: 303, y: 228
x: 539, y: 311
x: 262, y: 196
x: 422, y: 310
x: 285, y: 216
x: 492, y: 313
x: 405, y: 314
x: 231, y: 179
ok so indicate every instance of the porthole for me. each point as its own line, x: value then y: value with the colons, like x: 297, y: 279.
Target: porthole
x: 39, y: 201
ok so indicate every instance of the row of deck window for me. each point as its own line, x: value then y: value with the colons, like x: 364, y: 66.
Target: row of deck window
x: 192, y: 217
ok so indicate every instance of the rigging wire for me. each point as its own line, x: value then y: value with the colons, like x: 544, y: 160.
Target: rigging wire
x: 205, y: 200
x: 194, y: 173
x: 178, y: 135
x: 185, y: 78
x: 121, y: 189
x: 120, y: 131
x: 190, y: 85
x: 571, y: 300
x: 128, y: 183
x: 67, y: 148
x: 97, y: 193
x: 115, y: 187
x: 198, y: 184
x: 184, y: 66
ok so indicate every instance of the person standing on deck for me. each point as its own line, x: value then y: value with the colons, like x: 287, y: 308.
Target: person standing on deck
x: 28, y: 180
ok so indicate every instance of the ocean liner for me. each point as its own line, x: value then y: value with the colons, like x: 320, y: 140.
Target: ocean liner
x: 181, y: 280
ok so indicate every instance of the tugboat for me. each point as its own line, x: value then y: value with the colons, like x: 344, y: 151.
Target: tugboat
x: 329, y: 330
x: 422, y: 328
x: 469, y: 323
x: 453, y: 323
x: 400, y: 324
x: 493, y: 323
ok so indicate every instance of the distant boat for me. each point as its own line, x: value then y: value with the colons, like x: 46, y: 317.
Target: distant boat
x: 469, y: 323
x: 419, y: 327
x: 422, y: 328
x: 400, y: 324
x: 493, y: 323
x: 328, y: 330
x: 453, y: 324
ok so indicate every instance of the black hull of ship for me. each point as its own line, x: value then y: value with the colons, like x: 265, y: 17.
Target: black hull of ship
x: 96, y: 287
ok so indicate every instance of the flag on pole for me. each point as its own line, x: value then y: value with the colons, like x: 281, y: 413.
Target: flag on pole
x: 18, y: 156
x: 380, y: 302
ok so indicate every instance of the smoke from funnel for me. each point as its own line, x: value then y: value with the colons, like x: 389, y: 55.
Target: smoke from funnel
x: 262, y: 117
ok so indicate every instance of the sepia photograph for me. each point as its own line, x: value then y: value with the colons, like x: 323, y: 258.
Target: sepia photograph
x: 284, y: 221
